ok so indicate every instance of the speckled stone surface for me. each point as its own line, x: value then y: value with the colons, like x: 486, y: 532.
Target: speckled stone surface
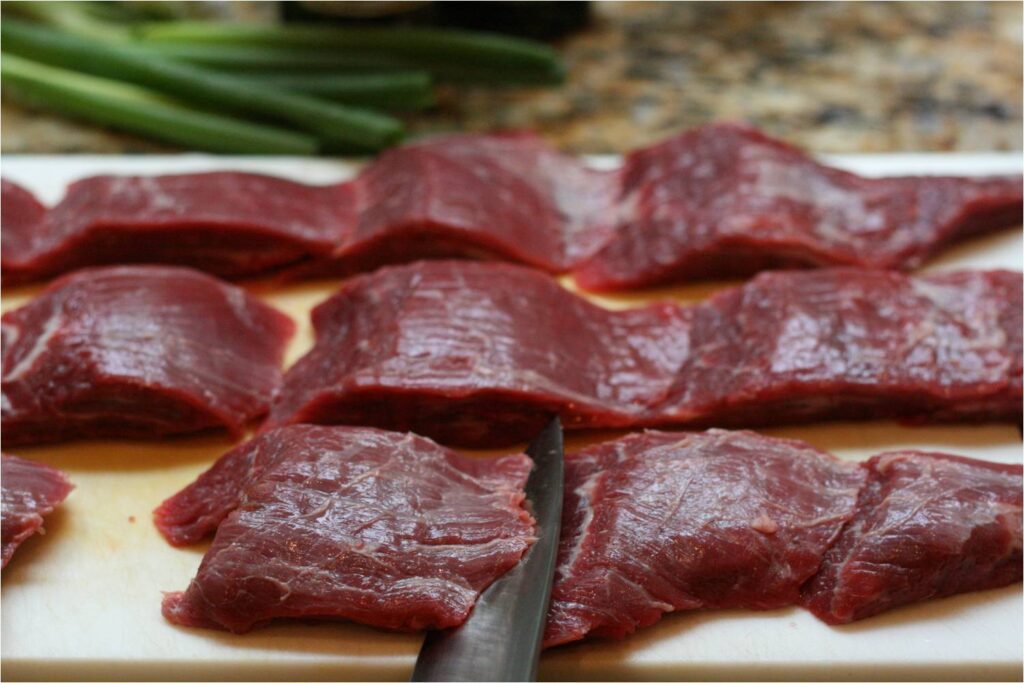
x: 831, y: 76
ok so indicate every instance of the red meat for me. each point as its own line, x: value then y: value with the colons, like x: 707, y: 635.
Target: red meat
x: 718, y: 200
x: 138, y: 351
x: 509, y: 197
x: 483, y: 354
x: 31, y: 491
x: 927, y: 526
x: 380, y: 528
x: 473, y: 353
x: 852, y: 344
x: 501, y: 196
x: 23, y: 219
x: 391, y: 530
x: 658, y: 522
x: 727, y: 201
x: 229, y: 224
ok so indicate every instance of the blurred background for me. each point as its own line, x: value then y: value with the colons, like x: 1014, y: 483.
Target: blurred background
x: 831, y: 76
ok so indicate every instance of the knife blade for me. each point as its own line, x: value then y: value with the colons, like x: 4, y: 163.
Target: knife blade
x: 501, y: 639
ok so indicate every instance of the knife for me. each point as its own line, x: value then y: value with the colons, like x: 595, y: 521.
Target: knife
x: 501, y: 639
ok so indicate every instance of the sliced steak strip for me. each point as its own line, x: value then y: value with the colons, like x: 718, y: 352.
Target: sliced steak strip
x: 226, y: 223
x: 138, y: 351
x: 380, y: 528
x: 721, y: 200
x: 473, y: 353
x: 725, y: 200
x: 394, y: 531
x: 659, y: 522
x: 851, y: 344
x: 23, y: 219
x: 927, y: 526
x: 480, y: 354
x: 509, y: 197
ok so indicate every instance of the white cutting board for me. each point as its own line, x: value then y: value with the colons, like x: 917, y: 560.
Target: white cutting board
x: 83, y: 601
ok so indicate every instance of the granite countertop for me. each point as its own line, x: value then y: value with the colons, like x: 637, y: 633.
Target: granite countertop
x: 833, y: 77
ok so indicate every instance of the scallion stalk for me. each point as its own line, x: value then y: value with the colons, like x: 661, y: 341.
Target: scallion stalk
x: 135, y: 109
x: 434, y: 45
x: 401, y: 90
x: 334, y: 124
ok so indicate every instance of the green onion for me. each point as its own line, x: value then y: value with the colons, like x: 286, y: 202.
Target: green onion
x: 335, y: 124
x: 73, y: 17
x: 135, y: 109
x: 243, y: 58
x: 460, y: 56
x: 246, y: 58
x: 401, y: 90
x: 313, y: 72
x: 433, y: 45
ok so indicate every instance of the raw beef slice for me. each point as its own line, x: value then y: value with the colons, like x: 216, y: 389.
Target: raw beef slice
x: 479, y: 354
x: 23, y: 219
x: 510, y: 197
x: 476, y: 353
x: 927, y: 526
x: 658, y: 522
x: 846, y: 344
x: 230, y: 224
x: 721, y: 200
x: 380, y: 528
x: 727, y: 201
x: 31, y: 491
x: 138, y: 351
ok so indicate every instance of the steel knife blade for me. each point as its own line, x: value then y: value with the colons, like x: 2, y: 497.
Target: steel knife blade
x: 501, y: 639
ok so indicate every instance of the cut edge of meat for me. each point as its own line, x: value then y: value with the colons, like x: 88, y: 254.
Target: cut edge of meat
x: 198, y: 509
x: 976, y: 206
x: 32, y: 522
